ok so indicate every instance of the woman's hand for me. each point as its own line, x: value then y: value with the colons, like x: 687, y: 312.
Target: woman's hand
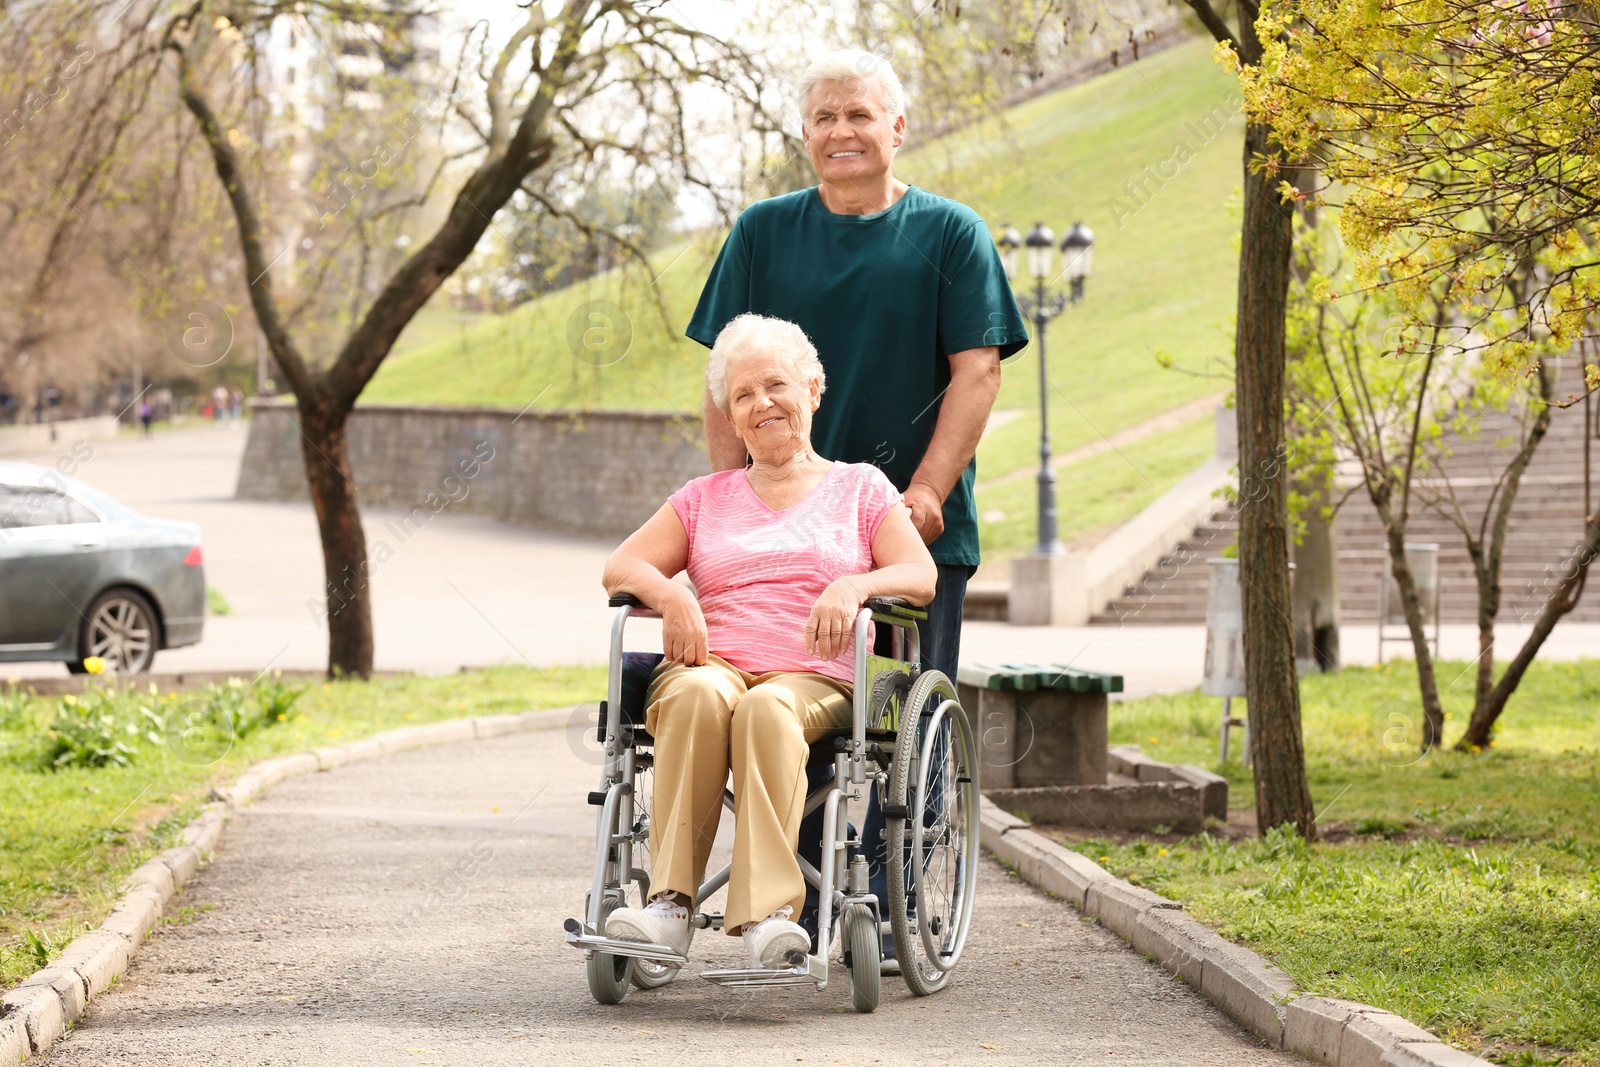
x: 830, y: 630
x: 683, y: 631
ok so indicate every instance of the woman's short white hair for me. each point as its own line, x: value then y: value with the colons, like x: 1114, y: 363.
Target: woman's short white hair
x: 761, y: 335
x: 846, y: 65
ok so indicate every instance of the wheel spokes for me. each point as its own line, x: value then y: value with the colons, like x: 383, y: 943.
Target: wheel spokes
x: 120, y: 634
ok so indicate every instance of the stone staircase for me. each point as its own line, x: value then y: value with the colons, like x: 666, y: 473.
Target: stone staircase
x: 1545, y: 528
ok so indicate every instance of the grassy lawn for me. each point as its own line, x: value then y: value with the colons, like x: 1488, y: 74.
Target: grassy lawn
x: 1461, y: 891
x: 1096, y: 494
x: 1164, y: 275
x: 69, y: 836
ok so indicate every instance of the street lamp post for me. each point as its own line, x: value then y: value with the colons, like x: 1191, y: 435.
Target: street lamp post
x: 1077, y: 250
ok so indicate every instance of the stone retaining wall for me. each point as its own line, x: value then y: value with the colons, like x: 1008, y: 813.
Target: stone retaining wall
x: 29, y: 437
x: 595, y: 473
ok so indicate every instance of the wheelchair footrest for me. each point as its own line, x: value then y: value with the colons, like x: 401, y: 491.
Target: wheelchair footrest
x: 814, y: 971
x: 639, y: 949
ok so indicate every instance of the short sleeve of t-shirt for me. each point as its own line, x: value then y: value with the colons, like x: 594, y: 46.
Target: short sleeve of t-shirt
x: 686, y: 502
x: 727, y: 293
x: 878, y: 497
x: 977, y: 309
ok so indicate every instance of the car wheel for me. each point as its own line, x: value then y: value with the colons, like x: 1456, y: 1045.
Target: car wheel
x: 119, y: 627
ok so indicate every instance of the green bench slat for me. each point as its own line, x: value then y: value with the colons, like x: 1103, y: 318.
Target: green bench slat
x: 983, y: 677
x: 1033, y: 676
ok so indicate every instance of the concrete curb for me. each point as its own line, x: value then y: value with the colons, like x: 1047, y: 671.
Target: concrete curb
x: 1257, y: 995
x: 37, y: 1012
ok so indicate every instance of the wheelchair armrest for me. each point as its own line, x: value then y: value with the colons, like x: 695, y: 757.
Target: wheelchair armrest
x: 896, y: 607
x: 628, y: 600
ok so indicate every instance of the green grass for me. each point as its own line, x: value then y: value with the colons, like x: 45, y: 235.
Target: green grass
x: 1094, y: 494
x: 437, y: 324
x: 216, y: 603
x: 1461, y: 891
x: 68, y: 837
x: 1164, y: 278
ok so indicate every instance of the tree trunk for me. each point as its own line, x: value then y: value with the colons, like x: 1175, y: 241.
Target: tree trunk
x: 1481, y: 727
x: 1489, y: 554
x: 1488, y: 609
x: 346, y: 576
x: 1283, y: 795
x: 1491, y: 703
x: 1316, y: 587
x: 1411, y: 604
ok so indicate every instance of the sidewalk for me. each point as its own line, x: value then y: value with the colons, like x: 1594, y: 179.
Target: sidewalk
x: 408, y: 911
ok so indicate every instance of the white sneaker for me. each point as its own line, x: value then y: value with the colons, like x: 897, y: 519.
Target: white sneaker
x: 660, y: 922
x: 770, y: 941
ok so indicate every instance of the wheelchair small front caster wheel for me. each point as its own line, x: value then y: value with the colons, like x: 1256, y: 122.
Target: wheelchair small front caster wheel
x: 865, y: 946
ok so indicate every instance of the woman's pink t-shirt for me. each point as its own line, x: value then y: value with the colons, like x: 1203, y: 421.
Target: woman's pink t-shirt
x: 758, y: 572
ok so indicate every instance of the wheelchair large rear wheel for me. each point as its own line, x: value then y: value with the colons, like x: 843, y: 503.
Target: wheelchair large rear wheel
x: 931, y: 825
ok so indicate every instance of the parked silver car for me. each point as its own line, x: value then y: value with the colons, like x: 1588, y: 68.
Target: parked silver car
x: 81, y: 575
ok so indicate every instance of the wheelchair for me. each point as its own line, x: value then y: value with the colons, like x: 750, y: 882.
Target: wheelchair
x: 909, y: 740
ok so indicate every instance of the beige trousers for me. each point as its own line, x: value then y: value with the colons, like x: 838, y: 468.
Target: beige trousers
x: 706, y: 720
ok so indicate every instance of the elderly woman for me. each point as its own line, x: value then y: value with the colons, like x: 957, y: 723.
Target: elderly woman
x: 759, y: 660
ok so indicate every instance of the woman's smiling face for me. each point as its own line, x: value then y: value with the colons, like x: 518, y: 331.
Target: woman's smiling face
x: 770, y: 407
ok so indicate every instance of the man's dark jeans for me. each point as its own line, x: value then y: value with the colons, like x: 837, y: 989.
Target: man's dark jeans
x: 940, y: 636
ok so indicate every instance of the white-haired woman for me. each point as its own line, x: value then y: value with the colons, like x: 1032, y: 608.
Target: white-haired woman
x: 759, y: 659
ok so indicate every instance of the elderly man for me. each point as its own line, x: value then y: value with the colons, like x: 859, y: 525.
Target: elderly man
x: 905, y: 298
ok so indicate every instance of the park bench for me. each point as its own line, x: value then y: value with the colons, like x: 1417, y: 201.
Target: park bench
x: 1038, y: 724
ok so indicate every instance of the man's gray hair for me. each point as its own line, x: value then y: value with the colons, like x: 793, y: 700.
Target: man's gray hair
x: 848, y: 64
x: 759, y: 335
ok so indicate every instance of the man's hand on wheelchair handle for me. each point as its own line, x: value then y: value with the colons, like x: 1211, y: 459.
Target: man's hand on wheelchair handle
x: 927, y: 511
x: 683, y: 631
x: 830, y: 631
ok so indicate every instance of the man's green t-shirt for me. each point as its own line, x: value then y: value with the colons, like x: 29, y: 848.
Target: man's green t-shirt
x: 886, y: 298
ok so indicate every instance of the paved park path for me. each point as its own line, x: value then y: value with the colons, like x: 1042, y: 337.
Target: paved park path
x: 299, y: 950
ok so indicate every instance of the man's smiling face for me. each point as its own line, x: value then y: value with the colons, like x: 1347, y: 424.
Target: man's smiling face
x: 849, y: 134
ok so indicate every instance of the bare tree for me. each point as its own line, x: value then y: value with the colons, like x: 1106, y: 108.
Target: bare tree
x: 75, y: 82
x: 575, y: 81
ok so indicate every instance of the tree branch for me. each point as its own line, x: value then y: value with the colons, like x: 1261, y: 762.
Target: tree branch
x: 257, y: 266
x: 1211, y: 20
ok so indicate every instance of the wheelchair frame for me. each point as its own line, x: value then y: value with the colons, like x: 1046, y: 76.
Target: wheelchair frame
x: 842, y: 881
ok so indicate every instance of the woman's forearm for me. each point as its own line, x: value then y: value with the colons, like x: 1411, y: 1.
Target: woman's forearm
x: 625, y: 573
x: 913, y: 580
